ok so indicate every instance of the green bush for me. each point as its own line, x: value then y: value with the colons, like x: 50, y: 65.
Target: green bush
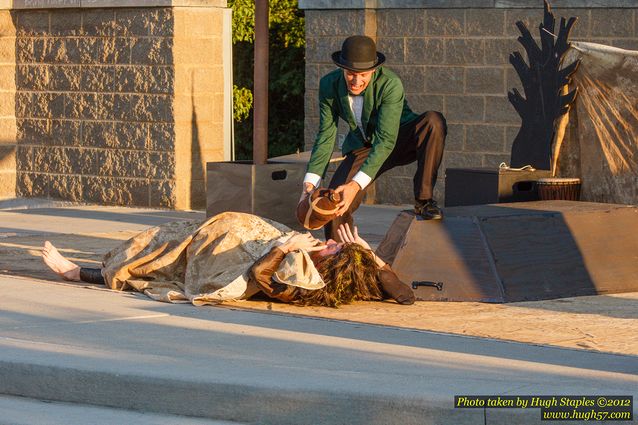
x: 285, y: 82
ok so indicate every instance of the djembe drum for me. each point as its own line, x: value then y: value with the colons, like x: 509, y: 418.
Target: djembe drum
x: 557, y: 188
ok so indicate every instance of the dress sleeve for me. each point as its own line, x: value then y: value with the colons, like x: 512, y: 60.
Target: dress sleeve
x: 262, y: 271
x: 394, y: 288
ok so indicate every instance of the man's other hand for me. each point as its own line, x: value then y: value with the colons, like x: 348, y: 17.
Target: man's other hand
x: 307, y: 190
x: 348, y: 192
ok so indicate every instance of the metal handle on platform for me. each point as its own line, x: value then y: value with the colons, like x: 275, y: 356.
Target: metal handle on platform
x: 437, y: 285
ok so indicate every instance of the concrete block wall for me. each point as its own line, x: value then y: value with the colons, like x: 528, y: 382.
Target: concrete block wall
x: 117, y: 105
x: 452, y: 59
x: 7, y: 107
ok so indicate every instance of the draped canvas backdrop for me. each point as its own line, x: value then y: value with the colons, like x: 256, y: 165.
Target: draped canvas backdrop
x: 601, y: 142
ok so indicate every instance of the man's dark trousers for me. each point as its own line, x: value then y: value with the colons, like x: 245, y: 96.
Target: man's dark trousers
x: 421, y: 140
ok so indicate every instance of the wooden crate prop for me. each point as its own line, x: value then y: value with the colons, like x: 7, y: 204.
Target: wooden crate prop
x: 270, y: 190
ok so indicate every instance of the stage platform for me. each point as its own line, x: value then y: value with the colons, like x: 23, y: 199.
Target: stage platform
x: 517, y: 252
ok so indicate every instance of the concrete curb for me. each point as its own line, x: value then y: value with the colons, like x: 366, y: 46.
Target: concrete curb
x: 30, y: 203
x: 26, y: 411
x: 239, y: 403
x: 201, y: 399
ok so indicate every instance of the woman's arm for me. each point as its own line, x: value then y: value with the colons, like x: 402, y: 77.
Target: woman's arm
x: 394, y: 288
x: 304, y: 241
x: 263, y: 269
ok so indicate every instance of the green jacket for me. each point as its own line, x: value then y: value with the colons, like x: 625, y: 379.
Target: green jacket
x: 384, y: 110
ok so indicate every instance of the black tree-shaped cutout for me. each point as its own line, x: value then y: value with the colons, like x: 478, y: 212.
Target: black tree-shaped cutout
x: 542, y: 81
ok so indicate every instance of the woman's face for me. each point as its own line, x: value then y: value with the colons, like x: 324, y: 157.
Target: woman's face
x: 332, y: 247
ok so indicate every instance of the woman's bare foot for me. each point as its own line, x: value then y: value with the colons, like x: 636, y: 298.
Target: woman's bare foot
x: 60, y: 265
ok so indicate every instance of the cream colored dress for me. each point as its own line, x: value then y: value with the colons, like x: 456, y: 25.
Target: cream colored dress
x: 204, y: 263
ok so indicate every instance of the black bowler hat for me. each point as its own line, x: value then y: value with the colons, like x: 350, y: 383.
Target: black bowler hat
x: 358, y: 53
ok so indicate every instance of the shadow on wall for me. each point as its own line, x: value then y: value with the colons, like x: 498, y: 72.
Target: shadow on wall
x: 7, y: 170
x: 7, y: 155
x: 198, y: 174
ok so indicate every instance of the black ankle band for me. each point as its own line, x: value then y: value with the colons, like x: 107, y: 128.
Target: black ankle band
x: 90, y: 275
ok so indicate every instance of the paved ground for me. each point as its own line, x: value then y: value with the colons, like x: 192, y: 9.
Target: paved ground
x: 113, y: 354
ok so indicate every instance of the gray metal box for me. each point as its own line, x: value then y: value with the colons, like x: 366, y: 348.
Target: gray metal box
x: 475, y: 186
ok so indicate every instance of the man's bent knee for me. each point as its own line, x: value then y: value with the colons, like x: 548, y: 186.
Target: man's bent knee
x: 436, y: 120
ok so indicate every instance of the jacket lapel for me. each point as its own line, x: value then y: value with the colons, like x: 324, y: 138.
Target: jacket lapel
x: 345, y: 103
x: 368, y: 102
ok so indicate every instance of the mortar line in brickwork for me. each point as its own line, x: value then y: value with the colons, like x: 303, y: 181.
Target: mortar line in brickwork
x: 102, y: 37
x: 99, y: 64
x: 499, y: 66
x: 459, y: 37
x: 484, y: 108
x: 95, y: 175
x: 464, y: 21
x: 92, y: 148
x: 486, y: 123
x: 94, y: 120
x: 58, y: 92
x: 103, y: 93
x: 91, y: 121
x: 83, y: 146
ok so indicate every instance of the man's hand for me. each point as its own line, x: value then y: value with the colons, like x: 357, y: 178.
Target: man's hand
x: 307, y: 190
x: 348, y: 192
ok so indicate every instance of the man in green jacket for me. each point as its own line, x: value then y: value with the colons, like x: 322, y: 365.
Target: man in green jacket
x: 384, y: 132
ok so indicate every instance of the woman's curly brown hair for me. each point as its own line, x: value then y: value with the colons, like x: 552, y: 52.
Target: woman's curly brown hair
x: 349, y: 275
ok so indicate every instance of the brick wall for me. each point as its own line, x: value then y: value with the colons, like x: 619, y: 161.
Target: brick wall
x: 455, y: 61
x: 7, y: 106
x: 118, y: 105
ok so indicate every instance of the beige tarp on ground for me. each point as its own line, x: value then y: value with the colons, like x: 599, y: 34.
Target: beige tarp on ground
x: 204, y: 263
x: 601, y: 145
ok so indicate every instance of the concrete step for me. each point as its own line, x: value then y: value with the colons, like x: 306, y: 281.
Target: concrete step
x: 27, y: 411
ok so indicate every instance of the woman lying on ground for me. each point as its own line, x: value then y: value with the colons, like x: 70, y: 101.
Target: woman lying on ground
x: 234, y: 256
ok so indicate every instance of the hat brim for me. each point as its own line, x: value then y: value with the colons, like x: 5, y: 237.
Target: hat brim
x: 336, y: 58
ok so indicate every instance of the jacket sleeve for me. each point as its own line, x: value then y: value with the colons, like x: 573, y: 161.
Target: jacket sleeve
x: 394, y: 288
x: 262, y: 271
x: 385, y: 134
x: 327, y: 133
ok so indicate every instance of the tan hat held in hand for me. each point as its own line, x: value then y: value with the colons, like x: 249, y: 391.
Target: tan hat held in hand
x: 314, y: 211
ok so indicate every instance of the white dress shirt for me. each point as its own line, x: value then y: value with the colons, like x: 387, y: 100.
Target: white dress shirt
x: 362, y: 179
